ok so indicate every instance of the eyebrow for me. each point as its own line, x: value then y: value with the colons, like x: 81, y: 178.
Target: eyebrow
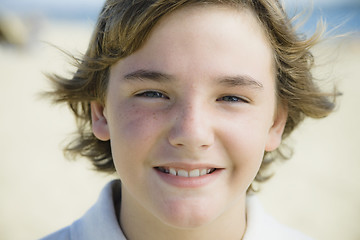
x: 231, y: 81
x: 148, y: 75
x: 241, y: 80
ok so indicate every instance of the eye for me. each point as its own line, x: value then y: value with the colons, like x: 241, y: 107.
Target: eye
x: 233, y: 99
x: 152, y: 94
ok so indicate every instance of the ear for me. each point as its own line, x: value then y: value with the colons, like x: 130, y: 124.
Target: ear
x: 99, y: 123
x: 277, y: 129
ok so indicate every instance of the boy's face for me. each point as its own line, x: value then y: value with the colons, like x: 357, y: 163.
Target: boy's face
x: 197, y: 99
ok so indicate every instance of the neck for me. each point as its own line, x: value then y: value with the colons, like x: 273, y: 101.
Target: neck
x: 139, y: 224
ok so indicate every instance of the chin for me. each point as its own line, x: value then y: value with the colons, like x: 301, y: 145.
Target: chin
x: 188, y: 217
x: 188, y: 222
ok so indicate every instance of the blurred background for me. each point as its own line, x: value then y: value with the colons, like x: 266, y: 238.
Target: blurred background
x: 317, y: 191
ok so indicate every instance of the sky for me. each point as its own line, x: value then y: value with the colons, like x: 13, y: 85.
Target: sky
x: 324, y: 2
x: 335, y: 11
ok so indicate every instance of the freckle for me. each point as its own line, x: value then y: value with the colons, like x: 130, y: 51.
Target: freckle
x: 154, y: 116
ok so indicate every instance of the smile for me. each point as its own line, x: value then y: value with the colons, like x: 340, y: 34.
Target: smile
x: 184, y: 173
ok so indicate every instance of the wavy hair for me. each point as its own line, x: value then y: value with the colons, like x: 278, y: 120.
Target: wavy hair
x: 122, y: 28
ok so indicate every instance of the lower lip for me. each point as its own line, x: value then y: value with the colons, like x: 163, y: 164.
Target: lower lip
x: 189, y: 182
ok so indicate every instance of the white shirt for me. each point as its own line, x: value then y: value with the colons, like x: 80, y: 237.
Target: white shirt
x: 100, y: 221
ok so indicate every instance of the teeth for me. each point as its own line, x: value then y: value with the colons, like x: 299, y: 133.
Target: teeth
x: 194, y: 173
x: 172, y: 171
x: 184, y: 173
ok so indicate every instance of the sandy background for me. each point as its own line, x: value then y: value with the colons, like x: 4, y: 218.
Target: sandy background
x: 317, y: 192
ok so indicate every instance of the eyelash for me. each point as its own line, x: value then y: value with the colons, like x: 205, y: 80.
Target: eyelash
x: 156, y: 94
x: 152, y: 94
x: 231, y: 98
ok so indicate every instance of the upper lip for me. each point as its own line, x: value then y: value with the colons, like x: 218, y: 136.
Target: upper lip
x: 188, y: 166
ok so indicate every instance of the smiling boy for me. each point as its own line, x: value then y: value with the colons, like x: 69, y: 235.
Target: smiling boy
x: 184, y: 102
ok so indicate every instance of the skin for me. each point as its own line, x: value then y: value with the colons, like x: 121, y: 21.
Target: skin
x: 200, y: 93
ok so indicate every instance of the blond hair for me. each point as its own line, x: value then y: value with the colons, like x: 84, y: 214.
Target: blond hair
x: 124, y: 25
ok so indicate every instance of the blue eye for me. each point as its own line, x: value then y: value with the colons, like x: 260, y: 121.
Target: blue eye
x: 232, y: 99
x: 152, y: 94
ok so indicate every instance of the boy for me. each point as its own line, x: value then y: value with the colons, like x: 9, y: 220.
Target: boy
x: 185, y: 100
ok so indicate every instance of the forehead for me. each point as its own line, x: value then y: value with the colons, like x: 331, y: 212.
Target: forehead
x: 215, y: 21
x: 213, y: 39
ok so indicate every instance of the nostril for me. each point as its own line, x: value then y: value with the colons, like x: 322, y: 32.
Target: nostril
x: 204, y: 146
x: 179, y: 144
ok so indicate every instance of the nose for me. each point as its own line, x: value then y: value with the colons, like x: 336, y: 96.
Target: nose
x: 192, y: 128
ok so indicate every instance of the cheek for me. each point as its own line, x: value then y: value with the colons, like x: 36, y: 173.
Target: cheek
x: 245, y: 143
x: 133, y: 132
x: 247, y: 148
x: 128, y: 124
